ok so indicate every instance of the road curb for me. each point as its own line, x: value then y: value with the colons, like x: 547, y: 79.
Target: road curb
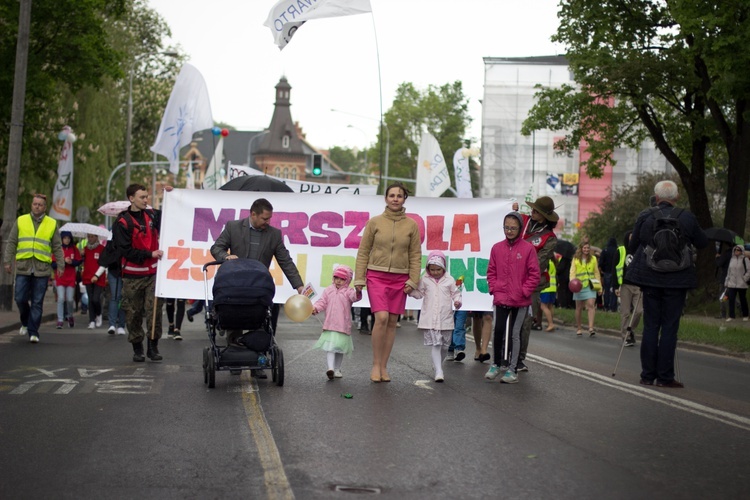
x: 691, y: 346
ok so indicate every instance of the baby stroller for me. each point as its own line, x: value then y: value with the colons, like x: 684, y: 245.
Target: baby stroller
x: 242, y: 298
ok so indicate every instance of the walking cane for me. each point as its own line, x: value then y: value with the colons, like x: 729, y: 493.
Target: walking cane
x: 629, y: 332
x: 677, y: 364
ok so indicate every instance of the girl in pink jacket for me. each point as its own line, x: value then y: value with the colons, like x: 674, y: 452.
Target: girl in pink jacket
x: 337, y: 300
x: 440, y: 295
x: 512, y: 276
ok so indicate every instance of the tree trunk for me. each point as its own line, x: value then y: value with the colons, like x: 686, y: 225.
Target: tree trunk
x: 738, y: 180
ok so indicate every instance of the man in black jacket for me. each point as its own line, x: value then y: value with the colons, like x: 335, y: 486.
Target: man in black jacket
x: 663, y: 292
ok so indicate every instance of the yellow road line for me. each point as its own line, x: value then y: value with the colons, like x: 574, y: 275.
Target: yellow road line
x: 277, y: 484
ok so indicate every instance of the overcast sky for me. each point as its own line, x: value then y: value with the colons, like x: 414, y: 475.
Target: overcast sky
x: 333, y: 63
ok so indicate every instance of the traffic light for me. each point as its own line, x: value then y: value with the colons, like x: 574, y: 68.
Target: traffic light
x: 317, y: 169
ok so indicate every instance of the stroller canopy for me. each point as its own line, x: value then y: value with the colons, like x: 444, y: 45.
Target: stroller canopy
x: 243, y: 281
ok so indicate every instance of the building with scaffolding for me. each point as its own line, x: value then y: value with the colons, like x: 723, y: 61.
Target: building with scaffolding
x: 525, y: 167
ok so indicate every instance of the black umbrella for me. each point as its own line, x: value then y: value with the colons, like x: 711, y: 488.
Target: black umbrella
x: 724, y: 235
x: 256, y: 183
x: 565, y: 248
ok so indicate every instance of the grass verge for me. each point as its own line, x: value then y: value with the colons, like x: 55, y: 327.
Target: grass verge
x: 734, y: 336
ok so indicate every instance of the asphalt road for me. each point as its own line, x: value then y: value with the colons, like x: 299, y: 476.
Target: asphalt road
x: 79, y: 419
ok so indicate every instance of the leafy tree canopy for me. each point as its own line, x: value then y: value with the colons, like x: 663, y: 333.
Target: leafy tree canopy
x: 672, y: 71
x: 81, y: 55
x: 440, y: 110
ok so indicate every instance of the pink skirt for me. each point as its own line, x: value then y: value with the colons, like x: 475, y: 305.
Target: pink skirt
x: 386, y: 291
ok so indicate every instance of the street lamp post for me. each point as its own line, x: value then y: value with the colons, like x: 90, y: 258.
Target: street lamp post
x: 387, y: 152
x: 250, y: 147
x: 388, y: 138
x: 363, y: 135
x: 129, y: 132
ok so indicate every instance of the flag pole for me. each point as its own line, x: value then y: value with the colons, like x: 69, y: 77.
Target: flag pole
x: 380, y: 93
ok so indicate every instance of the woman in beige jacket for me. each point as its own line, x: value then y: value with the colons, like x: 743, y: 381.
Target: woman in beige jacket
x: 388, y: 263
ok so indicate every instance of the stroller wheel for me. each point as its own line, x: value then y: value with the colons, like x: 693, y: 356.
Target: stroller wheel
x: 205, y: 365
x: 277, y: 367
x: 211, y: 371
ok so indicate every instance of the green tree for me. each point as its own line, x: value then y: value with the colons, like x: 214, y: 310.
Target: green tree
x: 672, y: 71
x: 440, y: 110
x: 80, y: 59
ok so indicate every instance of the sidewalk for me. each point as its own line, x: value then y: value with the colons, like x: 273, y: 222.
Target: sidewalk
x: 10, y: 321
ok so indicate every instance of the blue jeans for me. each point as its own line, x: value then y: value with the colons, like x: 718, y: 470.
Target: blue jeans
x: 458, y: 341
x: 662, y: 308
x: 65, y: 295
x: 30, y: 292
x: 116, y: 313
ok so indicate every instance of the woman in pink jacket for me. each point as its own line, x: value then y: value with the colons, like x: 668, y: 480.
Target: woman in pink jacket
x: 512, y: 276
x: 337, y: 300
x: 440, y: 295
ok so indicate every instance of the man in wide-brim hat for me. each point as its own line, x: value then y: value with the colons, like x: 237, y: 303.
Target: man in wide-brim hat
x: 545, y: 207
x: 537, y: 230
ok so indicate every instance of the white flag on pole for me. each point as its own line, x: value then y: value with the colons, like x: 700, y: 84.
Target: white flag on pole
x: 287, y: 16
x: 432, y: 172
x: 188, y: 111
x: 462, y: 174
x: 189, y: 177
x: 213, y: 178
x: 62, y: 197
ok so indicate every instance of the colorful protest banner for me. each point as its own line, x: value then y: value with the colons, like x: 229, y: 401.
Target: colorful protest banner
x: 323, y: 232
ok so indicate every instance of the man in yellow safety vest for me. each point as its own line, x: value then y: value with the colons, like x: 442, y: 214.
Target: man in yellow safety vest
x: 31, y: 242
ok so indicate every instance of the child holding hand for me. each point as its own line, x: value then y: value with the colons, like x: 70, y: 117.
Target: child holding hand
x: 441, y: 295
x: 337, y: 300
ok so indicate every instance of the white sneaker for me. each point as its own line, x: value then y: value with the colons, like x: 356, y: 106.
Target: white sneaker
x: 744, y: 319
x: 23, y: 331
x: 98, y: 321
x: 449, y: 356
x: 92, y: 325
x: 111, y: 330
x: 34, y: 339
x: 121, y: 331
x: 729, y: 319
x: 337, y: 374
x: 439, y: 377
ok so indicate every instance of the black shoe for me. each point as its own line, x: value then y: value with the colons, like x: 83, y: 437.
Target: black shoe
x: 672, y: 384
x: 138, y: 352
x: 170, y: 331
x: 630, y: 341
x: 521, y: 367
x: 646, y: 382
x: 536, y: 326
x: 189, y: 316
x: 153, y: 350
x: 260, y: 374
x: 365, y: 331
x: 177, y: 334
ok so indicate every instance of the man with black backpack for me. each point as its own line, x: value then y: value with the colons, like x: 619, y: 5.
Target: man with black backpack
x: 662, y: 244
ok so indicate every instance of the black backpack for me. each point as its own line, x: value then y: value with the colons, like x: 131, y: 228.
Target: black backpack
x: 669, y: 249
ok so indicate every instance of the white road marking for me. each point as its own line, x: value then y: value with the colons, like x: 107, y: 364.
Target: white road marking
x: 422, y: 384
x: 86, y: 373
x: 650, y: 394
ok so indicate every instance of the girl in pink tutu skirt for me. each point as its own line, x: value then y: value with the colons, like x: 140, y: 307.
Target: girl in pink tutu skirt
x: 336, y: 301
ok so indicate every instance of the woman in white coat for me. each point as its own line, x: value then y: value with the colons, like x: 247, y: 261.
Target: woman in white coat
x: 738, y: 273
